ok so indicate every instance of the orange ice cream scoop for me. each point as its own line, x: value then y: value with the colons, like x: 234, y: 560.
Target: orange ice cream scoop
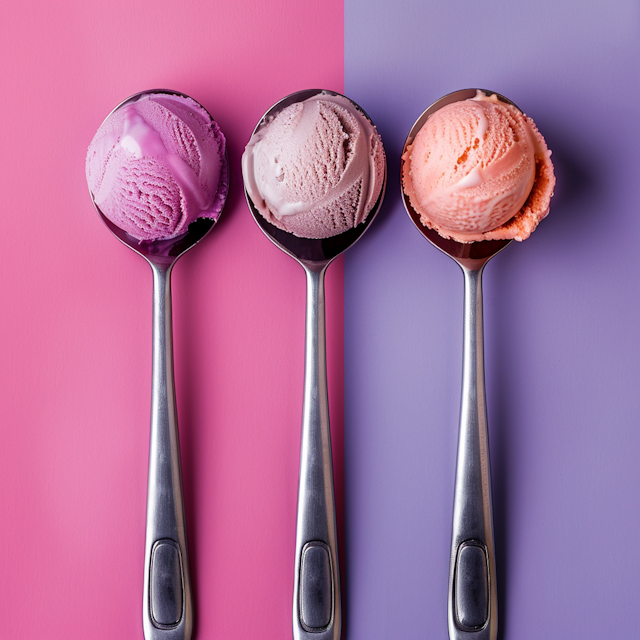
x: 479, y: 170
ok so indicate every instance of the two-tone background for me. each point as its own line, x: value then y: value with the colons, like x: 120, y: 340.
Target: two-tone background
x: 561, y: 327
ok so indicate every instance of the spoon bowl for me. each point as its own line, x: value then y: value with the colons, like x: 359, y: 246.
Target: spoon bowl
x: 311, y: 250
x: 466, y: 254
x: 163, y: 250
x: 317, y: 611
x: 167, y: 597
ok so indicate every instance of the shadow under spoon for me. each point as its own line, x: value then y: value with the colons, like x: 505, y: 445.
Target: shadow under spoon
x: 317, y: 613
x: 167, y: 597
x: 472, y: 596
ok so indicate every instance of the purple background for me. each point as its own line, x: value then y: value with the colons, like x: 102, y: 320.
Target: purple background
x: 561, y: 330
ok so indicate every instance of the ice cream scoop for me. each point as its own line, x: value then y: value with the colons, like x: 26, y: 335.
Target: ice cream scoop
x: 315, y: 168
x: 478, y: 169
x: 473, y: 604
x: 316, y: 600
x: 156, y: 165
x: 146, y: 214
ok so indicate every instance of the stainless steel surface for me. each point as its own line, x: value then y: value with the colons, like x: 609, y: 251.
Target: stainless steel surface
x: 472, y: 585
x: 316, y: 576
x: 167, y: 606
x: 316, y: 520
x: 165, y: 502
x: 472, y: 513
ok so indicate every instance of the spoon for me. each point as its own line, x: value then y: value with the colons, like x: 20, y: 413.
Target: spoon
x: 472, y: 598
x: 167, y: 598
x: 317, y: 611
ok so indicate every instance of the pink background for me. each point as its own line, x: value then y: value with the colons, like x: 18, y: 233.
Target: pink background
x: 75, y: 325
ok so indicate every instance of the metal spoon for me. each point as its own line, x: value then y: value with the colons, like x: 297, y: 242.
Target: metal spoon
x: 167, y: 608
x: 473, y: 603
x: 316, y: 595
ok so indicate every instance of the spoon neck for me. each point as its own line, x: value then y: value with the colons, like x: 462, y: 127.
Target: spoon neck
x: 473, y: 351
x: 312, y: 267
x: 315, y: 323
x: 161, y: 264
x: 162, y: 328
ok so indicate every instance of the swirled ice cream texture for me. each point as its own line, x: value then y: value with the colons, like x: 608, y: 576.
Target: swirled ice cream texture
x: 316, y: 169
x: 479, y: 169
x: 156, y: 165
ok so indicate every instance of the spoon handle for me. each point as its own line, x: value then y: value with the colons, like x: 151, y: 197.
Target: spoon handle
x: 316, y: 594
x: 167, y: 606
x: 473, y: 607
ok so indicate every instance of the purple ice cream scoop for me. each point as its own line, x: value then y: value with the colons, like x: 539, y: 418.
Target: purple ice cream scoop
x: 156, y: 165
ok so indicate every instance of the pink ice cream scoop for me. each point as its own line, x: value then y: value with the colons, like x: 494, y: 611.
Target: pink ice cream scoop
x: 479, y: 169
x: 317, y: 168
x: 157, y: 164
